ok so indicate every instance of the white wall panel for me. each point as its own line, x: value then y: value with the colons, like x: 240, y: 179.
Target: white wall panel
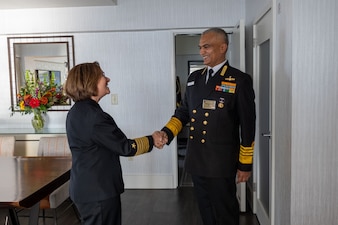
x: 314, y: 129
x: 305, y: 73
x: 127, y: 15
x: 143, y: 81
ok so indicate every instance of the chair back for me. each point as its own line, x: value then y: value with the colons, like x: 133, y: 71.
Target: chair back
x: 54, y: 146
x: 7, y: 144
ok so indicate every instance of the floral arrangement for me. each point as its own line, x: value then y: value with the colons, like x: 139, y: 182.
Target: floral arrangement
x: 38, y: 96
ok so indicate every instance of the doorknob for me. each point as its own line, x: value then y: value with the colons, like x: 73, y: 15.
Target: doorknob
x: 266, y: 135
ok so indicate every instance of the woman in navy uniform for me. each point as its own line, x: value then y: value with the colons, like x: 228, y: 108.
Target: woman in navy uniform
x: 220, y: 108
x: 96, y: 143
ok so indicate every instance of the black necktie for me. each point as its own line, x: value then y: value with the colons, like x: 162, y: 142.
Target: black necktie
x: 209, y: 75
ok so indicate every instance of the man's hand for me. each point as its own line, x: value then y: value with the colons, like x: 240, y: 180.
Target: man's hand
x: 160, y: 139
x: 243, y: 176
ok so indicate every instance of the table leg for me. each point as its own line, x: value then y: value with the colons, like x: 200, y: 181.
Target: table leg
x: 13, y: 216
x: 34, y: 214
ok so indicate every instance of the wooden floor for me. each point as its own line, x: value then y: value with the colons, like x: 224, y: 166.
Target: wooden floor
x: 148, y: 207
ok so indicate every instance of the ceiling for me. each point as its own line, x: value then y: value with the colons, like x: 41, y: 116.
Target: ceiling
x: 24, y: 4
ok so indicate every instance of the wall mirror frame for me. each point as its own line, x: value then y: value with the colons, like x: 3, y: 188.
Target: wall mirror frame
x: 44, y: 56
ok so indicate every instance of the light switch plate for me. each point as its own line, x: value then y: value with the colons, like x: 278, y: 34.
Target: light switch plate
x: 114, y: 99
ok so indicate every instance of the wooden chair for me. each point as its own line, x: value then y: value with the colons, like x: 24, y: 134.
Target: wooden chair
x: 7, y: 145
x: 55, y: 146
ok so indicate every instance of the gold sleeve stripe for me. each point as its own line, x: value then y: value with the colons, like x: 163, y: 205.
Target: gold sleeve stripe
x: 174, y: 125
x: 246, y: 154
x: 142, y: 145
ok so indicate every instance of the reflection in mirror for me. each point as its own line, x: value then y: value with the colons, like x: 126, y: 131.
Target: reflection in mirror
x: 49, y: 58
x: 48, y: 77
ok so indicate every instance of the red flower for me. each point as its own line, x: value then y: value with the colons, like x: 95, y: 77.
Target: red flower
x: 34, y: 103
x: 27, y: 98
x: 58, y: 96
x: 48, y: 94
x: 44, y: 100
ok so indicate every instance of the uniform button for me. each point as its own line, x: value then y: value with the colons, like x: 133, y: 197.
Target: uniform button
x: 206, y: 114
x: 194, y: 111
x: 192, y: 119
x: 204, y: 132
x: 192, y: 128
x: 205, y: 122
x: 202, y: 141
x: 191, y: 137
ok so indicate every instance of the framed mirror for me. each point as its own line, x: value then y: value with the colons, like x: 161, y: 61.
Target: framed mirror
x: 46, y: 59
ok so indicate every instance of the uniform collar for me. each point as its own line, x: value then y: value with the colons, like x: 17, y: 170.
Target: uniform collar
x: 217, y: 67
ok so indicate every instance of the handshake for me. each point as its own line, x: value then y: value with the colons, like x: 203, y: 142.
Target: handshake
x: 160, y: 139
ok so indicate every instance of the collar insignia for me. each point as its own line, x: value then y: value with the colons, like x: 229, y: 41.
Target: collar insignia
x: 224, y: 70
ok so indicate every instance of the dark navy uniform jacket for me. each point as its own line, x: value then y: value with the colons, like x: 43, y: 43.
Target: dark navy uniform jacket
x: 96, y: 143
x: 222, y: 117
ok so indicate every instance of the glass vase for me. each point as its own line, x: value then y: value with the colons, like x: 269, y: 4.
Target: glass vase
x: 38, y: 121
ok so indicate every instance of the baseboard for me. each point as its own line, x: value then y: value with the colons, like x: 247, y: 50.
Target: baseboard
x: 149, y: 182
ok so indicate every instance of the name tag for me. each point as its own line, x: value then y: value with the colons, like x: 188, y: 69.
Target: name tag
x: 209, y: 104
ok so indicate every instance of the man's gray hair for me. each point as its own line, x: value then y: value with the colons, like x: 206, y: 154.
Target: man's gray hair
x: 218, y: 31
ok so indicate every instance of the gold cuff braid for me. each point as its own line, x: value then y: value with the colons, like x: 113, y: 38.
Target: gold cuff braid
x: 142, y: 145
x: 174, y: 125
x: 246, y: 154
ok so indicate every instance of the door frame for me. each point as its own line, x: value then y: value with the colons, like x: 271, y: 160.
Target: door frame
x: 263, y: 219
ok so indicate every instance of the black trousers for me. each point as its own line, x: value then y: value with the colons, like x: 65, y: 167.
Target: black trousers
x: 217, y: 200
x: 106, y: 212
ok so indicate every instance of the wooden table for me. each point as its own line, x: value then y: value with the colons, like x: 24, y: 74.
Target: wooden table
x: 24, y: 181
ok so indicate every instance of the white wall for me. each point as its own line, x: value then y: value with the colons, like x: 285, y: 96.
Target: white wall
x: 305, y: 136
x: 127, y: 15
x: 134, y: 44
x: 314, y: 183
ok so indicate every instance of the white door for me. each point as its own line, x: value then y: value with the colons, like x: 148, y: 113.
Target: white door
x: 262, y: 36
